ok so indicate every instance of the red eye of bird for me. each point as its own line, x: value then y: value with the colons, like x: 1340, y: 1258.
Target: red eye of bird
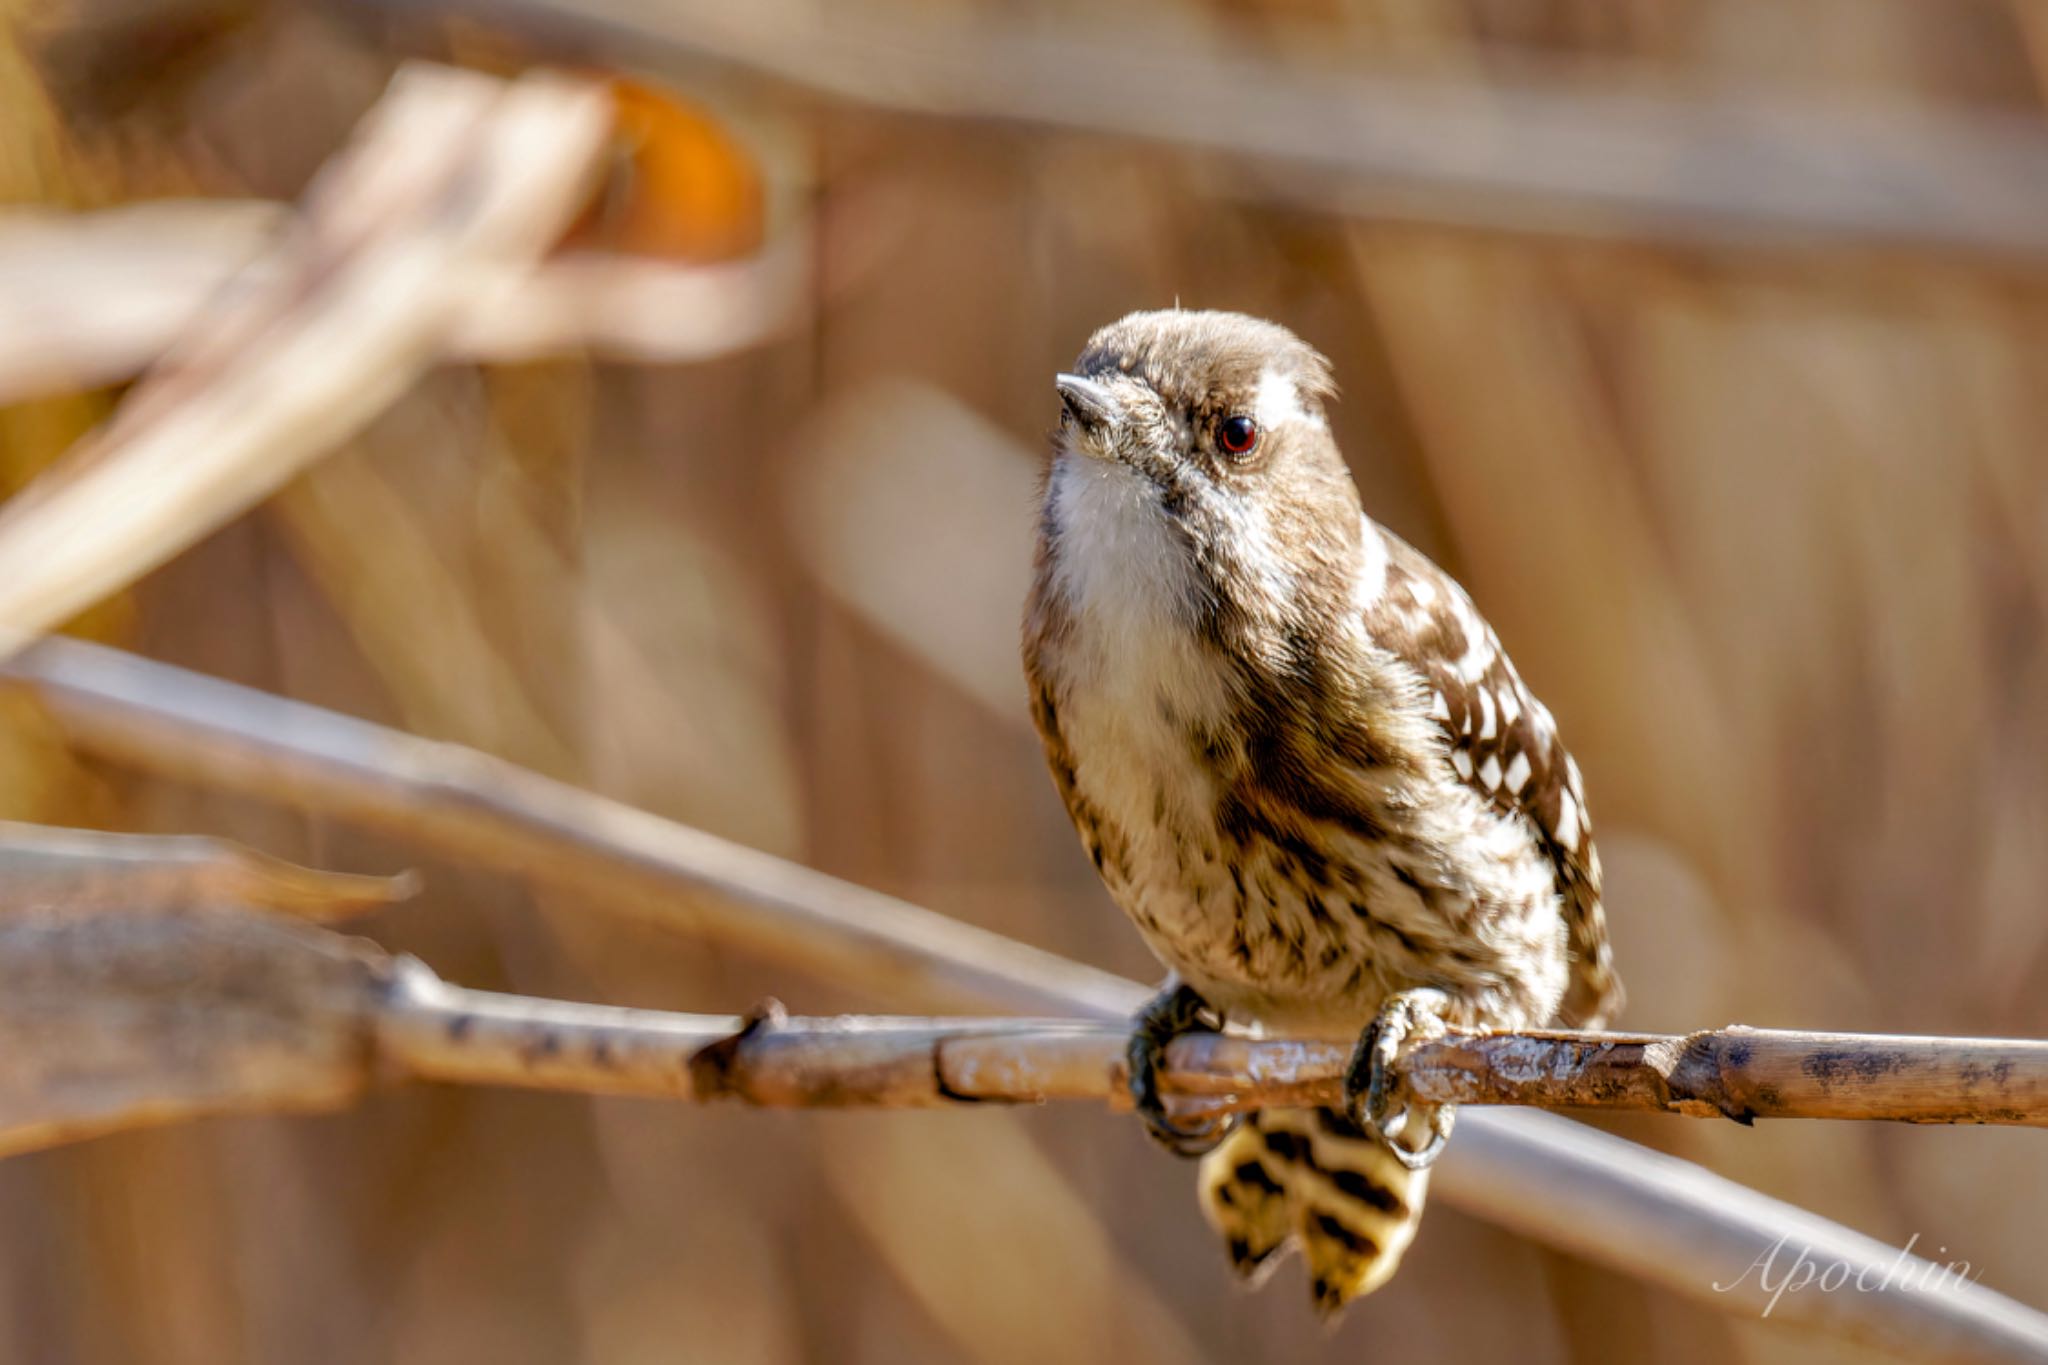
x: 1237, y: 434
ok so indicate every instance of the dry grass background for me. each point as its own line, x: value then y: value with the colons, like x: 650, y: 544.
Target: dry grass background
x: 1768, y: 529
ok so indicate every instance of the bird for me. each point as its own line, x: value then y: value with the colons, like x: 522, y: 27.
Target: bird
x: 1303, y: 767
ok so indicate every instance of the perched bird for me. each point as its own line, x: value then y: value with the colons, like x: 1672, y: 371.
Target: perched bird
x: 1303, y: 767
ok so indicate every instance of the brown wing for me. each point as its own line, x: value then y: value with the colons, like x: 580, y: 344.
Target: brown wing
x: 1505, y: 746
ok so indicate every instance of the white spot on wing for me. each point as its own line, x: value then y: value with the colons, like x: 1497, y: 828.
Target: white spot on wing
x: 1567, y: 831
x: 1486, y: 730
x: 1510, y: 707
x: 1518, y: 773
x: 1462, y: 761
x: 1479, y: 650
x: 1439, y: 709
x: 1489, y: 772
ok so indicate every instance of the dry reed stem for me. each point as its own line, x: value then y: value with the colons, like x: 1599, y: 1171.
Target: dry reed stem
x: 474, y: 808
x: 451, y: 171
x: 1742, y: 1073
x: 1612, y: 1202
x: 418, y: 1025
x: 91, y: 299
x: 113, y: 1021
x: 44, y: 867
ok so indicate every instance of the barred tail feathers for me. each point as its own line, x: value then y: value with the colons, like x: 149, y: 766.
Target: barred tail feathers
x: 1307, y: 1175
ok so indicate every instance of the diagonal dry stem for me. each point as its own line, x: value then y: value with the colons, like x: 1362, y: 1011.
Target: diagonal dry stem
x: 450, y: 173
x: 475, y: 808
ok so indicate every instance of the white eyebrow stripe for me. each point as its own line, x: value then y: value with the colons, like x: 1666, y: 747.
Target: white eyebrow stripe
x: 1278, y: 402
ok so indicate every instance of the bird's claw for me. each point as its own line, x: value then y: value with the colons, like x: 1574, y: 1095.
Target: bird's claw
x: 1369, y: 1082
x: 1174, y: 1011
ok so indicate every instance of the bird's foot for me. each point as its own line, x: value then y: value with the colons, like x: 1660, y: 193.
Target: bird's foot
x: 1416, y: 1132
x: 1166, y: 1016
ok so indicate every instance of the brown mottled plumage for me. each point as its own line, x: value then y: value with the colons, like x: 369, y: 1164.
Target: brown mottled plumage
x: 1297, y: 755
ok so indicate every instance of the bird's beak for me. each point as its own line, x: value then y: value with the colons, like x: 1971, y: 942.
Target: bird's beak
x: 1093, y: 406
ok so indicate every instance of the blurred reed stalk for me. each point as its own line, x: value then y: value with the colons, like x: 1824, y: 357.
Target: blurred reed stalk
x: 451, y: 173
x: 88, y: 299
x: 1563, y: 153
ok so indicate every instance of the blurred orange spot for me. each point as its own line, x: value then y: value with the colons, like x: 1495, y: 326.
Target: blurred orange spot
x: 680, y: 187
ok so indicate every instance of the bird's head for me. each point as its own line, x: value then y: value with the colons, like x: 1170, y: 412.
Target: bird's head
x: 1193, y: 452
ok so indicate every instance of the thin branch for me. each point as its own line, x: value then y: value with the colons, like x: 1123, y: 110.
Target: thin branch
x: 1743, y: 1073
x: 112, y: 1021
x: 1620, y: 1205
x: 421, y: 1026
x: 1580, y: 149
x: 449, y: 172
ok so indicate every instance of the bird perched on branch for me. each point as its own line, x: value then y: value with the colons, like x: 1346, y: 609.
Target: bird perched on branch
x: 1304, y: 768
